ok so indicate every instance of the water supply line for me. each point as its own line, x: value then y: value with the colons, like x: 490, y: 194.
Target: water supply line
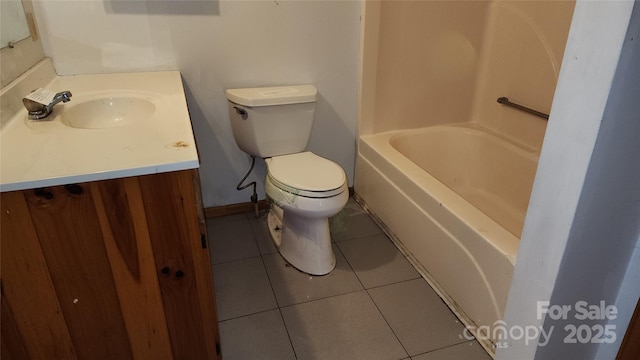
x: 254, y: 196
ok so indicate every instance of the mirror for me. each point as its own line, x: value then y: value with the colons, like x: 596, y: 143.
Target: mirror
x: 13, y: 23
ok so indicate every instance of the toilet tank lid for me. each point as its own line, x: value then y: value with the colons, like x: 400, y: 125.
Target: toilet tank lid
x: 274, y: 95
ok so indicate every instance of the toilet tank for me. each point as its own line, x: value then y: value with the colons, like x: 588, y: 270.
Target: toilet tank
x: 272, y: 121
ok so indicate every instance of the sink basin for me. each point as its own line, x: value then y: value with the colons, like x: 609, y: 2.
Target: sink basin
x: 107, y: 112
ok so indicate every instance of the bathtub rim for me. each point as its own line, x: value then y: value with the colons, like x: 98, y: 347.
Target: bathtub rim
x: 473, y: 128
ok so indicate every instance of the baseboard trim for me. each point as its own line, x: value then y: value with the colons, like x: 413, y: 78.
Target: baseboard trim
x: 232, y: 209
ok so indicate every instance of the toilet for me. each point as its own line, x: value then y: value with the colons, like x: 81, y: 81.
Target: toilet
x: 305, y: 189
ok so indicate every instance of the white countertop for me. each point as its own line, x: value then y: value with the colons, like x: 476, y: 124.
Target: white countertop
x: 47, y: 152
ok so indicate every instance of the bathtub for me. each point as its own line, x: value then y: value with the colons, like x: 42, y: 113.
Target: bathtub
x: 453, y: 198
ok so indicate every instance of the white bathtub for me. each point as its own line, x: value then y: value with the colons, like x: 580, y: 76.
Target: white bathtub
x: 454, y: 199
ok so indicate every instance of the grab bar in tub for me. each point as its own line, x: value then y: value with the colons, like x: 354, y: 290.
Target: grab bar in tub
x: 505, y: 101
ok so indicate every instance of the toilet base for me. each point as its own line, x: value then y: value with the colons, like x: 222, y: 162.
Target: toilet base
x: 305, y: 243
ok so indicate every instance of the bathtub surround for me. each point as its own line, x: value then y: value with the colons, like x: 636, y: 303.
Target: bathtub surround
x: 427, y: 58
x: 462, y: 70
x: 521, y: 57
x: 218, y: 45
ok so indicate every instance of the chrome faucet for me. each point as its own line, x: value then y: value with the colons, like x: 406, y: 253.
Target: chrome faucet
x: 39, y: 111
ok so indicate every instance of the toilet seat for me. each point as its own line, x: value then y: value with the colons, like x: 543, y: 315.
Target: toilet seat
x: 306, y: 174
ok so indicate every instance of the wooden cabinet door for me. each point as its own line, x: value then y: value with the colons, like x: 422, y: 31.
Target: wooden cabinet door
x: 33, y: 324
x: 182, y: 258
x: 124, y: 228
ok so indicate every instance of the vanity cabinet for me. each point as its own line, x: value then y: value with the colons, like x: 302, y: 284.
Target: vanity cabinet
x: 111, y: 269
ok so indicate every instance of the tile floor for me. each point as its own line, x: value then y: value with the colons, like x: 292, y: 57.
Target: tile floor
x: 374, y: 305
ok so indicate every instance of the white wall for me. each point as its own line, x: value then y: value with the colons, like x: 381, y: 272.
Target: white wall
x: 218, y: 45
x: 582, y: 223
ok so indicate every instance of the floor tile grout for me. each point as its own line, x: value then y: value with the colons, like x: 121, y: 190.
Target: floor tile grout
x: 255, y: 234
x: 321, y: 298
x: 444, y: 347
x: 246, y: 315
x: 286, y: 328
x: 358, y: 238
x: 395, y: 283
x: 387, y: 322
x: 235, y: 260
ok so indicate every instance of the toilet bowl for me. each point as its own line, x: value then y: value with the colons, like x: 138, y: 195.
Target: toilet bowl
x: 305, y: 190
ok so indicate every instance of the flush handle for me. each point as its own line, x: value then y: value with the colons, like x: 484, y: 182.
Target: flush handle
x: 242, y: 112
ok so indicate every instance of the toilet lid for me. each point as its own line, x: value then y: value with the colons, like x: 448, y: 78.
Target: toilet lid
x: 307, y: 172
